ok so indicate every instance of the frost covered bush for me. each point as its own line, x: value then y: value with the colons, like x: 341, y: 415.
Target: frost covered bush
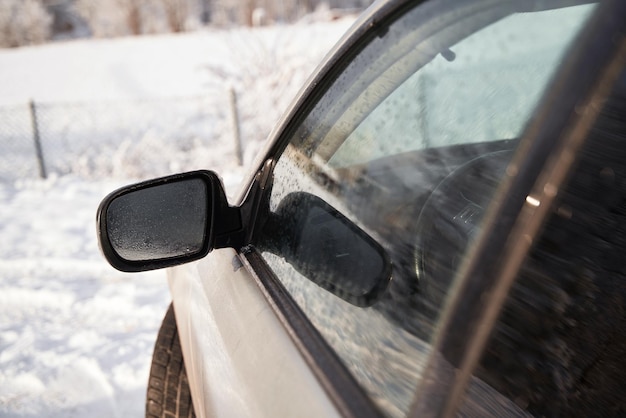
x: 267, y: 69
x: 23, y: 22
x: 110, y: 18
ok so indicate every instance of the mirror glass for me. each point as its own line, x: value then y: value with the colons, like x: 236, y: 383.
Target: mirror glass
x: 161, y: 221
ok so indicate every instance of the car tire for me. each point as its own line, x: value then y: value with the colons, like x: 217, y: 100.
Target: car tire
x: 168, y: 388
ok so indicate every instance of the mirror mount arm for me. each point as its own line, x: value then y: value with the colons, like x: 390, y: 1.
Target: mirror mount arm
x: 234, y: 226
x: 255, y: 207
x: 228, y: 228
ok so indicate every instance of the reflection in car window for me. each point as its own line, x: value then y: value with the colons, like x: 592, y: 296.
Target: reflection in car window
x: 559, y: 347
x: 408, y: 145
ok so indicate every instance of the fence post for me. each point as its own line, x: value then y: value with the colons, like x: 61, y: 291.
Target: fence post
x: 38, y: 151
x: 235, y: 120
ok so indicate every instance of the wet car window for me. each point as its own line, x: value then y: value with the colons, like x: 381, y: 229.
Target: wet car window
x: 392, y: 170
x: 559, y: 346
x: 487, y: 84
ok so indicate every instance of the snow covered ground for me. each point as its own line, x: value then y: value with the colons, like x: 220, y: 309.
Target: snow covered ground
x: 76, y: 336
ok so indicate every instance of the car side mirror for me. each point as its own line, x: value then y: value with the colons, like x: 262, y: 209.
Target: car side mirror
x: 328, y: 249
x: 164, y: 222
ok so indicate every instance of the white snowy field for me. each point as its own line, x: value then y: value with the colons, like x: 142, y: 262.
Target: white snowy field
x: 76, y: 335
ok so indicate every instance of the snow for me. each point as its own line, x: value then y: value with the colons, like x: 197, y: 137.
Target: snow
x: 76, y: 336
x: 143, y: 67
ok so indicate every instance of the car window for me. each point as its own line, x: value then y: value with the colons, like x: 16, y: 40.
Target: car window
x: 559, y: 346
x: 383, y: 185
x: 481, y: 89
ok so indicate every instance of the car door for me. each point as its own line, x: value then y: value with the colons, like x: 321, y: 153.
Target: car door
x: 381, y: 191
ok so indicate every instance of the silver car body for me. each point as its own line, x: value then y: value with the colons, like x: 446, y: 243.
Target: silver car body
x: 240, y: 360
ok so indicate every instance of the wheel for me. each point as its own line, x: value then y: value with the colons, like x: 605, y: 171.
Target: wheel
x: 168, y: 388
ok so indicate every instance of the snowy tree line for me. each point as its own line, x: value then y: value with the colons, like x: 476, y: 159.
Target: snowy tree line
x: 23, y: 22
x: 27, y: 22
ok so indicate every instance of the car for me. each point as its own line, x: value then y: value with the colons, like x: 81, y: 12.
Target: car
x: 437, y: 226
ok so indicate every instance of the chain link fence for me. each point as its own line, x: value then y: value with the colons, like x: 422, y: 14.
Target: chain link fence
x: 128, y: 139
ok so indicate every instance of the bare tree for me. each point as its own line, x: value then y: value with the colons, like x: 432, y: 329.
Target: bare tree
x: 23, y: 22
x: 133, y: 16
x: 176, y: 12
x: 106, y: 18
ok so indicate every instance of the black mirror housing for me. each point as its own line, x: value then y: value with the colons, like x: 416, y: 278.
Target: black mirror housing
x: 164, y: 222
